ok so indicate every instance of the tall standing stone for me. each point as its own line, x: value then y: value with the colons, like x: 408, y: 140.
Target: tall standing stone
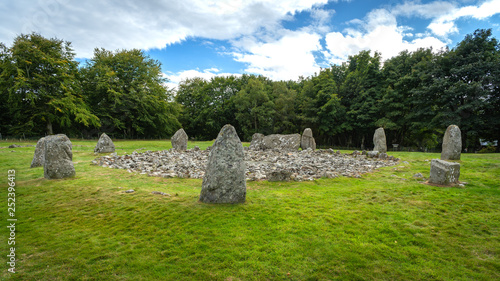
x: 179, y: 140
x: 224, y: 180
x: 379, y: 140
x: 104, y: 145
x: 307, y: 140
x: 452, y: 143
x: 39, y: 154
x: 58, y: 157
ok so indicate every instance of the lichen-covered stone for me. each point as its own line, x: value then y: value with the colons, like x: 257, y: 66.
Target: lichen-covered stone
x: 104, y: 145
x: 279, y: 175
x: 452, y: 143
x: 257, y: 142
x: 307, y: 140
x: 444, y: 172
x: 224, y: 180
x: 39, y: 154
x: 179, y: 140
x: 379, y: 141
x: 58, y: 157
x: 282, y: 142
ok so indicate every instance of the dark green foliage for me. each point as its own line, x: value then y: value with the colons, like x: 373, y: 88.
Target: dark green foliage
x: 413, y: 96
x: 125, y: 89
x: 39, y: 82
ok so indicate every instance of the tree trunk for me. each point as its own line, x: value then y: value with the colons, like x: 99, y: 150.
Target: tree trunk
x: 50, y: 131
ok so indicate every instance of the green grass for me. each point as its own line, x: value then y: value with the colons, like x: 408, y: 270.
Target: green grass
x: 384, y: 226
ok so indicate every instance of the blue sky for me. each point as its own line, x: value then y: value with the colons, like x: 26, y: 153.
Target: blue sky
x: 279, y: 39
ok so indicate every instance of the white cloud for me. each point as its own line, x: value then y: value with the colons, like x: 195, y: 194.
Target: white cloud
x: 286, y: 58
x: 207, y: 74
x: 445, y: 24
x: 143, y: 24
x: 427, y: 11
x: 377, y: 32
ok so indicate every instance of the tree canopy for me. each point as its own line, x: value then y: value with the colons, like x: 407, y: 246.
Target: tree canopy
x: 414, y: 96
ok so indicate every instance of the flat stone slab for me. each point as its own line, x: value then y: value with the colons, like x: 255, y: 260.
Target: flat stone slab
x: 444, y: 172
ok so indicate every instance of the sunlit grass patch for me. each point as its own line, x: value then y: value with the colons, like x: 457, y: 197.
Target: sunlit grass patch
x: 385, y: 225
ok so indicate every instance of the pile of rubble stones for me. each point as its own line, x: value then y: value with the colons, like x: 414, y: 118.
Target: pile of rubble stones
x: 260, y: 165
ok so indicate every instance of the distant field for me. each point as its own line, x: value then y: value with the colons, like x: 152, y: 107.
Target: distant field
x: 384, y: 226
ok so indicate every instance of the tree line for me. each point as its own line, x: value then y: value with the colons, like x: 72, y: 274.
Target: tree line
x: 414, y: 96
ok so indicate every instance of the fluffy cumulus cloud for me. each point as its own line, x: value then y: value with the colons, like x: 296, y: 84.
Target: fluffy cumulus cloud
x: 287, y: 58
x: 445, y: 23
x: 379, y: 32
x: 142, y: 24
x: 175, y: 78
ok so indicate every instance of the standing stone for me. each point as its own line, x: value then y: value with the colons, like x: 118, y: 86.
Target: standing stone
x: 444, y: 172
x: 58, y: 157
x: 307, y: 140
x: 39, y: 154
x: 282, y: 142
x: 104, y: 145
x: 257, y: 142
x: 179, y: 140
x: 224, y: 180
x: 379, y: 140
x: 452, y: 143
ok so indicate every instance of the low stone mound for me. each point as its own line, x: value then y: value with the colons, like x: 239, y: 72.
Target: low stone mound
x: 303, y: 165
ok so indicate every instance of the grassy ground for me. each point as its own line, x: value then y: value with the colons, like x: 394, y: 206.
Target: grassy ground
x: 384, y: 226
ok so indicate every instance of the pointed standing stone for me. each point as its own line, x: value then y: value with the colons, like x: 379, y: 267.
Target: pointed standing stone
x: 39, y: 152
x: 104, y: 145
x: 224, y: 180
x: 179, y: 140
x: 307, y: 140
x: 379, y: 140
x: 452, y: 143
x: 58, y: 157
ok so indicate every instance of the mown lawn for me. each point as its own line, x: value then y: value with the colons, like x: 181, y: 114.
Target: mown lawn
x: 384, y: 226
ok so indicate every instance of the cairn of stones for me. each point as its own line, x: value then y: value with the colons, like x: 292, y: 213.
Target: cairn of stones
x: 224, y: 180
x: 104, y: 145
x: 281, y: 142
x: 379, y: 141
x: 179, y: 140
x: 444, y: 172
x: 307, y: 140
x: 39, y: 154
x: 452, y: 143
x: 58, y: 157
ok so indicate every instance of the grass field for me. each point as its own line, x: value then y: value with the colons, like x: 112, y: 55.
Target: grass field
x: 384, y: 226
